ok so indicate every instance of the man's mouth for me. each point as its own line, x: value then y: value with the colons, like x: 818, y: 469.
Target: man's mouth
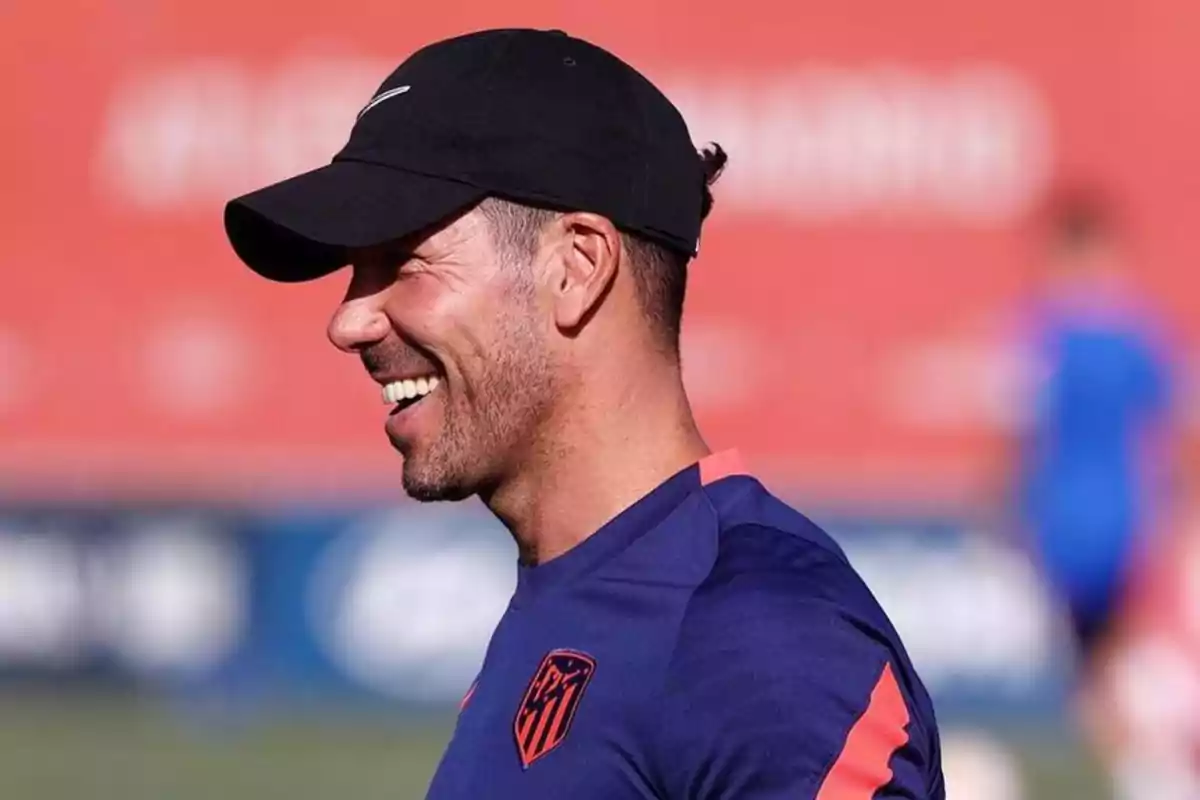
x: 409, y: 391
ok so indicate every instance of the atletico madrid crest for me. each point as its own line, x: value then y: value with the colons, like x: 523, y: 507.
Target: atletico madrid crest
x: 550, y: 703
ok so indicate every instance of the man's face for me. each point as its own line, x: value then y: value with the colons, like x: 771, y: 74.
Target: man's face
x: 452, y: 312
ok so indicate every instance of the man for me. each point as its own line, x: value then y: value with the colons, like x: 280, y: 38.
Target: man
x: 519, y: 208
x: 1095, y: 473
x: 1092, y: 461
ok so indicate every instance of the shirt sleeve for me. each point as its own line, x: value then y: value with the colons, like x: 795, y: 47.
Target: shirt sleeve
x: 790, y: 699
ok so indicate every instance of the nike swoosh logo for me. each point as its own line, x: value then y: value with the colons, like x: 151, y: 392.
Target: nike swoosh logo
x: 382, y: 96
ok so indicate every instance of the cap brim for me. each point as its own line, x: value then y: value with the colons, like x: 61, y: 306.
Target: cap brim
x: 301, y: 228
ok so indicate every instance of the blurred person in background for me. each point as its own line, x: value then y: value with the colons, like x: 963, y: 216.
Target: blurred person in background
x: 1094, y: 459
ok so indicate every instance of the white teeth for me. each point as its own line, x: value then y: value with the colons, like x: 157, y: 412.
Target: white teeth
x: 409, y: 389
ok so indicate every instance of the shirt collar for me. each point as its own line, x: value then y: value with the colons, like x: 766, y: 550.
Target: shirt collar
x: 615, y: 536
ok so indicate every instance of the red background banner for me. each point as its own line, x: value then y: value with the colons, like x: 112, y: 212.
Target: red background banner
x: 869, y: 247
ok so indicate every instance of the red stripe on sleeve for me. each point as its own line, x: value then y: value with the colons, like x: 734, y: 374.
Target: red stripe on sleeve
x: 467, y: 697
x: 863, y: 767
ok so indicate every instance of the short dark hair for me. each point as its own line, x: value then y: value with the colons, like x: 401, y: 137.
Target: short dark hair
x: 659, y: 272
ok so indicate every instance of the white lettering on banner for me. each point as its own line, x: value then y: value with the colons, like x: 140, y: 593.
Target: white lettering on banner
x: 969, y: 145
x: 171, y: 596
x: 166, y: 596
x: 186, y: 134
x: 41, y: 599
x: 824, y: 143
x: 405, y: 605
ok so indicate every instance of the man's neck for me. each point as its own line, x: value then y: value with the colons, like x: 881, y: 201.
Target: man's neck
x: 605, y: 455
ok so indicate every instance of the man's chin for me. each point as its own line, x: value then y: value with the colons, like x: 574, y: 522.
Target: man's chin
x: 429, y: 493
x: 429, y: 489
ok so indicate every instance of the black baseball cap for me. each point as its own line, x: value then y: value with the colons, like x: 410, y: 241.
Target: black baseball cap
x: 532, y: 116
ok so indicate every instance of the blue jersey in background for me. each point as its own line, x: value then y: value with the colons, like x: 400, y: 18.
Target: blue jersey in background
x: 1091, y: 460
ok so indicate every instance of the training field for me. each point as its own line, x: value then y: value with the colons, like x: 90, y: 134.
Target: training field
x: 56, y: 746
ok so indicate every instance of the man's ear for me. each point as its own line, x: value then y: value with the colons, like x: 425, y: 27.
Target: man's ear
x: 585, y: 267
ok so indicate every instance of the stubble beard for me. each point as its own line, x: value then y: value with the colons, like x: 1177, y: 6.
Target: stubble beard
x: 487, y: 424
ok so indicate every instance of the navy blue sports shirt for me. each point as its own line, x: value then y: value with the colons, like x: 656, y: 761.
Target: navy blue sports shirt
x: 708, y: 643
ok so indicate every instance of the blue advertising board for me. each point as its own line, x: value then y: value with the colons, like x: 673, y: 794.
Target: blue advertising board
x: 394, y: 605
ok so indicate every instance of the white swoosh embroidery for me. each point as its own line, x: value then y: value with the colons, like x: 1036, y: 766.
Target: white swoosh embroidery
x: 379, y: 98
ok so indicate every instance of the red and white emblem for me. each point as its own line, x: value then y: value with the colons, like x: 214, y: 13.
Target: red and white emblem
x: 550, y: 703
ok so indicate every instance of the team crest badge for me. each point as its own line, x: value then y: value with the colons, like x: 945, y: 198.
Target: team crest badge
x: 550, y: 703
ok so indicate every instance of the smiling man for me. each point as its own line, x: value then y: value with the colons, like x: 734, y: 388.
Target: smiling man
x: 519, y: 209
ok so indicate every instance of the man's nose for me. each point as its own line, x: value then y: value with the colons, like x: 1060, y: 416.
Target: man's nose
x: 359, y: 322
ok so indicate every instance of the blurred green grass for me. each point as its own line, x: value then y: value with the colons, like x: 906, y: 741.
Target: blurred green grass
x: 120, y: 748
x: 77, y: 746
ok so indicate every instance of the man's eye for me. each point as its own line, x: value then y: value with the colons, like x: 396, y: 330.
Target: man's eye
x: 398, y: 257
x: 403, y: 263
